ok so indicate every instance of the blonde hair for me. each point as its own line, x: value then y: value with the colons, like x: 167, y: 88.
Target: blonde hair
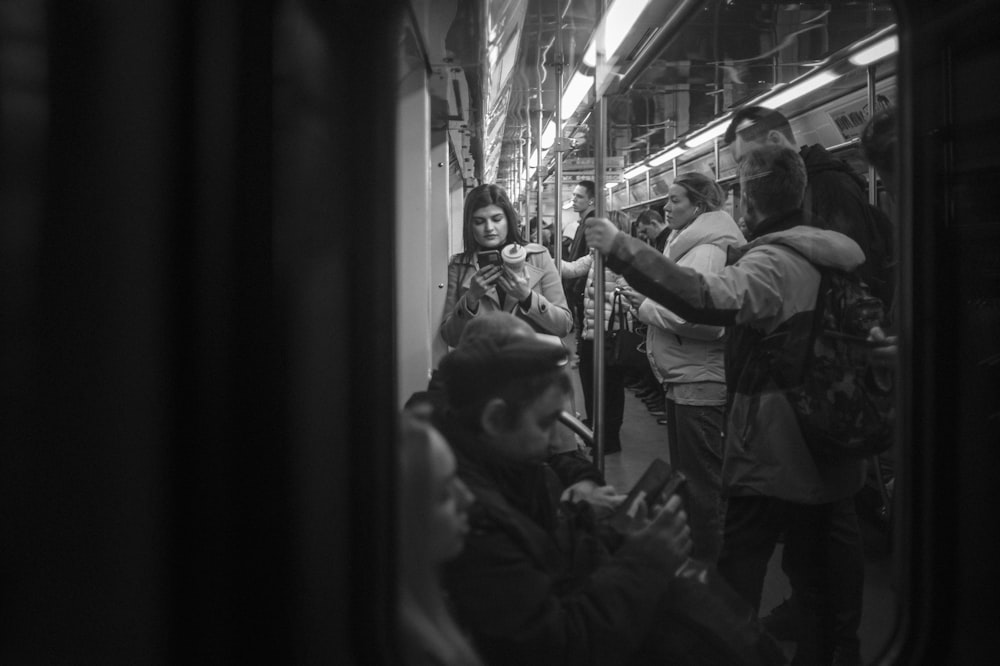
x: 428, y: 633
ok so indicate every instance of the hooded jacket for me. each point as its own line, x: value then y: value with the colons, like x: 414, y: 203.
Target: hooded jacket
x: 547, y: 313
x: 769, y: 289
x: 680, y: 351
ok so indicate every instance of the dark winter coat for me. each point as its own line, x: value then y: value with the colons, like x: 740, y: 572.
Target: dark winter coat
x: 537, y: 582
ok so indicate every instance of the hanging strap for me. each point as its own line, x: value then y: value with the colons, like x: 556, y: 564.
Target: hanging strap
x: 617, y: 307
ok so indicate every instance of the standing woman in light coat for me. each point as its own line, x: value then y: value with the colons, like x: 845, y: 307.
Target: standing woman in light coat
x: 527, y: 285
x: 688, y: 358
x: 614, y: 378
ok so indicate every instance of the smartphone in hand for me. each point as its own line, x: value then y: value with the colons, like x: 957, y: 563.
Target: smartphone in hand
x: 657, y: 483
x: 489, y: 258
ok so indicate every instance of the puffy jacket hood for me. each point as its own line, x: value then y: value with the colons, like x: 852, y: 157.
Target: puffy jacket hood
x: 712, y: 228
x: 822, y: 247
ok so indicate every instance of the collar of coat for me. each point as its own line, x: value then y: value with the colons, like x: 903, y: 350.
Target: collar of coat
x: 712, y: 228
x: 798, y: 231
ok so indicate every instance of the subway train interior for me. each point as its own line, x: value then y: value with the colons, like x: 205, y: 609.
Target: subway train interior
x: 226, y: 236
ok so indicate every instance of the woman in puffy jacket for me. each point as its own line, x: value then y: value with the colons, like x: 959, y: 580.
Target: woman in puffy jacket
x: 687, y: 358
x: 526, y: 284
x: 614, y: 378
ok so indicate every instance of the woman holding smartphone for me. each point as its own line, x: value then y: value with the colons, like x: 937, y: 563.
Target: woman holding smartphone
x: 498, y: 271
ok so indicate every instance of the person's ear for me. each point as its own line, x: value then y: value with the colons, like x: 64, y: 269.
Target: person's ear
x: 749, y: 210
x: 776, y: 137
x: 494, y: 417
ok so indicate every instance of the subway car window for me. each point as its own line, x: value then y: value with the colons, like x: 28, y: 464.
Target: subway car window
x: 667, y: 119
x: 499, y: 332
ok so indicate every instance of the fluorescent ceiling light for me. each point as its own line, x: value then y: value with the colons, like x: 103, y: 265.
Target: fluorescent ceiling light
x: 609, y: 185
x: 877, y: 51
x: 637, y: 170
x: 662, y: 158
x: 709, y: 133
x: 575, y: 93
x: 796, y: 90
x: 615, y: 26
x: 548, y: 135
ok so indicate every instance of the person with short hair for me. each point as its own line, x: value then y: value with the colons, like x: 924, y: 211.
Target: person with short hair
x: 651, y: 228
x: 574, y: 247
x: 539, y: 582
x: 834, y: 193
x: 526, y: 283
x: 580, y: 477
x: 767, y: 296
x: 614, y: 377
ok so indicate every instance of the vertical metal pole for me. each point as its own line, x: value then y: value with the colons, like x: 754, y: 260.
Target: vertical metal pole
x: 715, y: 147
x: 538, y: 174
x: 600, y: 141
x: 557, y: 186
x: 872, y: 177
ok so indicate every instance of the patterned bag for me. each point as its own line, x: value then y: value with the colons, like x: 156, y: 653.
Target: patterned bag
x: 845, y: 403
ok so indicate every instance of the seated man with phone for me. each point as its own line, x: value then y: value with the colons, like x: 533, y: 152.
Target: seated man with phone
x: 543, y: 581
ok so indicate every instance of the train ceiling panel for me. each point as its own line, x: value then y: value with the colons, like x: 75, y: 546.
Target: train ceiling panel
x: 724, y: 53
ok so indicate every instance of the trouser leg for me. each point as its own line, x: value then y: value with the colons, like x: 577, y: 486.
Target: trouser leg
x: 586, y: 351
x: 614, y: 395
x: 824, y: 562
x: 698, y: 431
x: 750, y: 533
x: 671, y: 411
x: 614, y: 406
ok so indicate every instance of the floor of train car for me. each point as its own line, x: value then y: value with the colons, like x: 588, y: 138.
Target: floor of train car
x: 644, y: 439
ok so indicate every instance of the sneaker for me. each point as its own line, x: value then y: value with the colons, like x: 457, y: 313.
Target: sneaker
x: 657, y: 411
x: 662, y: 422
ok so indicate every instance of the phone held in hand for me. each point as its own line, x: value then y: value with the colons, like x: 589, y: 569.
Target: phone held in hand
x: 656, y: 484
x: 488, y: 258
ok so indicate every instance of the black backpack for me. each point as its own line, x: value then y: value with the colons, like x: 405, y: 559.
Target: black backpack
x: 845, y: 402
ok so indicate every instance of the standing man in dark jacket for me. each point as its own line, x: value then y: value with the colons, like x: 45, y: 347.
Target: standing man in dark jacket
x: 583, y: 204
x: 538, y: 581
x: 773, y: 482
x: 835, y: 195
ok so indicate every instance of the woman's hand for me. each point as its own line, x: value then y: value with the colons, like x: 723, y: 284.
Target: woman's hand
x: 600, y: 233
x: 634, y: 298
x: 482, y: 281
x: 515, y: 285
